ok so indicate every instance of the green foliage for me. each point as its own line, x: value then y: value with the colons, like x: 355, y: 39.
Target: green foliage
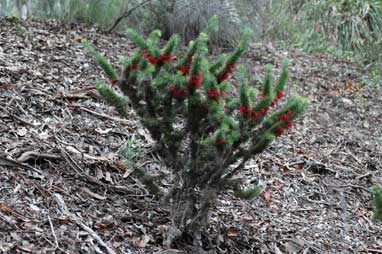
x: 189, y: 18
x: 101, y: 60
x: 202, y: 130
x: 373, y: 77
x: 111, y: 97
x: 248, y: 193
x: 132, y: 152
x: 377, y: 203
x: 329, y: 26
x: 93, y: 11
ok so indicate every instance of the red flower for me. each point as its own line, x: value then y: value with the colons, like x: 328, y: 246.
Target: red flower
x: 280, y: 94
x: 177, y: 91
x: 283, y: 117
x: 256, y: 115
x: 263, y: 111
x: 288, y: 125
x: 230, y: 68
x: 196, y: 80
x: 132, y: 66
x: 286, y: 117
x: 213, y: 93
x: 220, y: 141
x: 222, y: 76
x: 164, y: 57
x: 183, y: 69
x: 245, y: 110
x: 261, y: 96
x: 185, y: 92
x: 279, y: 131
x: 152, y: 59
x: 186, y: 68
x: 113, y: 82
x: 171, y: 88
x: 146, y: 54
x: 290, y: 114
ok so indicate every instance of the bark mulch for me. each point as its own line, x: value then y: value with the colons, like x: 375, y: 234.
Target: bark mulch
x: 65, y: 189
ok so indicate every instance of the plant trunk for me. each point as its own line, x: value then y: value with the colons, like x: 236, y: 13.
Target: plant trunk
x: 189, y: 211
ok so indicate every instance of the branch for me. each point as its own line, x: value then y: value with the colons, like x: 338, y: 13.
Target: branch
x: 126, y: 13
x: 64, y: 210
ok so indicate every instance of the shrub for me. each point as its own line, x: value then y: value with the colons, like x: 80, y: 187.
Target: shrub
x: 204, y: 132
x: 188, y: 18
x: 325, y: 25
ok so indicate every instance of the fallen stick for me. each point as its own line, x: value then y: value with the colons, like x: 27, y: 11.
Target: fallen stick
x: 9, y: 162
x: 63, y: 208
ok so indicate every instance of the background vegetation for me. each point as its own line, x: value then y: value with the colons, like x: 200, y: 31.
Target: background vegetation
x: 343, y: 28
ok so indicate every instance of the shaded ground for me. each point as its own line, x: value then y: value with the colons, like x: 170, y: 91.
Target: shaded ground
x: 63, y: 188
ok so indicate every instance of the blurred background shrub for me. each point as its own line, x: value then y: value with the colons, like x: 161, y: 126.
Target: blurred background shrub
x: 343, y: 28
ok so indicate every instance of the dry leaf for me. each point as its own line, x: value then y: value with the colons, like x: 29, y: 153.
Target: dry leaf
x: 142, y: 242
x: 232, y: 231
x: 8, y: 210
x: 267, y: 196
x: 22, y: 132
x: 128, y: 171
x: 108, y: 177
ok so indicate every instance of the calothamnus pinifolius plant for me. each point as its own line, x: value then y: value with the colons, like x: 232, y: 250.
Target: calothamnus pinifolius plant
x: 203, y: 131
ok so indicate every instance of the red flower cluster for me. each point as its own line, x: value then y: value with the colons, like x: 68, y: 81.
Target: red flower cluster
x: 279, y: 131
x: 224, y: 74
x: 177, y: 91
x: 286, y: 117
x: 258, y: 114
x: 113, y: 82
x: 213, y: 93
x: 154, y: 60
x: 279, y: 96
x: 195, y: 80
x: 245, y: 110
x: 132, y: 66
x: 220, y: 141
x: 186, y: 68
x: 164, y: 57
x: 288, y: 124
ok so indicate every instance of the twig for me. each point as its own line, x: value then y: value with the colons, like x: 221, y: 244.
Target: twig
x: 349, y: 154
x: 374, y: 251
x: 8, y: 220
x: 63, y: 208
x: 53, y: 232
x: 126, y: 14
x: 34, y: 154
x: 78, y: 170
x: 94, y: 195
x: 95, y: 236
x: 10, y: 162
x: 116, y: 119
x: 346, y: 186
x: 13, y: 116
x: 61, y: 249
x: 363, y: 176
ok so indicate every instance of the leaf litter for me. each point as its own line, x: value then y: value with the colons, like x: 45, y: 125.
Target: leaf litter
x: 64, y: 189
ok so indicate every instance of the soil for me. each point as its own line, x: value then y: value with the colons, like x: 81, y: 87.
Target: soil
x: 64, y: 187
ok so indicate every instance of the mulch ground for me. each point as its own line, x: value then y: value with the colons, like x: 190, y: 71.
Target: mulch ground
x: 64, y: 188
